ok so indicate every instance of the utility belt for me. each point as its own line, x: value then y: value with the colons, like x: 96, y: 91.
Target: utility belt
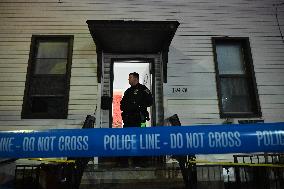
x: 140, y: 116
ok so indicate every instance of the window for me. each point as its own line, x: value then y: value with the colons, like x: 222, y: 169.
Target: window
x: 48, y: 78
x: 236, y: 86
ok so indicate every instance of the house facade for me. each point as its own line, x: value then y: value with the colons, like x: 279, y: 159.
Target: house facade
x: 211, y: 62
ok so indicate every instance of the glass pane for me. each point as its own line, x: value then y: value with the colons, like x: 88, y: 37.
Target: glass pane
x: 230, y: 58
x: 235, y: 95
x: 48, y: 85
x: 52, y: 50
x: 50, y: 105
x: 50, y: 66
x: 39, y: 105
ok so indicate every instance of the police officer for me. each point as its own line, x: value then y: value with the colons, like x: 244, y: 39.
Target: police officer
x: 134, y: 103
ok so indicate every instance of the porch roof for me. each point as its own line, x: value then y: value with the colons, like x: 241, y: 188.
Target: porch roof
x: 132, y: 37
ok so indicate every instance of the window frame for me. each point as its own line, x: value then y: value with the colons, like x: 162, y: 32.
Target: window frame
x: 249, y: 74
x: 26, y: 109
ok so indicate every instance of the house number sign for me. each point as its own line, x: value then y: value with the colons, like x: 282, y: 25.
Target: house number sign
x: 176, y: 91
x: 179, y: 90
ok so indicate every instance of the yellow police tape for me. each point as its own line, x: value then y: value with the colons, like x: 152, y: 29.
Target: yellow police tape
x: 52, y: 160
x: 205, y: 162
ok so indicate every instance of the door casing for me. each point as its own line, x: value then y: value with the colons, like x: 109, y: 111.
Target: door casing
x: 108, y: 60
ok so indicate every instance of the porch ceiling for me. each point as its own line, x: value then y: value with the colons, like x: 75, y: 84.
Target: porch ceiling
x: 132, y: 37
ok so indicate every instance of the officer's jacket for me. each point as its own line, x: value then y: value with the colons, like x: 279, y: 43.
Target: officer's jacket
x: 136, y: 98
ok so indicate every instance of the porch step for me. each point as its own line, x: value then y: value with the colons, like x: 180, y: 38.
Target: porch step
x: 128, y: 178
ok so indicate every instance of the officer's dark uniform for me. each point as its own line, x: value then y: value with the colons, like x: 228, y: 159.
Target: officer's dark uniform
x: 134, y: 105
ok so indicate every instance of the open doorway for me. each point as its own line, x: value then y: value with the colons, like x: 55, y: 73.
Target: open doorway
x: 121, y: 70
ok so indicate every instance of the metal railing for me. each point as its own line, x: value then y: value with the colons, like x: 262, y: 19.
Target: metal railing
x: 262, y: 171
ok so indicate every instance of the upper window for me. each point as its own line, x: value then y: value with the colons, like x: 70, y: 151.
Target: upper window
x: 236, y: 86
x: 48, y: 76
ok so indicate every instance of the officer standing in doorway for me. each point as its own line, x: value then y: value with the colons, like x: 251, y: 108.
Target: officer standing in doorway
x: 134, y: 103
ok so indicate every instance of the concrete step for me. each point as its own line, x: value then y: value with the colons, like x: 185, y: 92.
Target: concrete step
x: 128, y: 178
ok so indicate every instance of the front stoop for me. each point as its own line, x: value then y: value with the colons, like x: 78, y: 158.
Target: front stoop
x: 128, y: 178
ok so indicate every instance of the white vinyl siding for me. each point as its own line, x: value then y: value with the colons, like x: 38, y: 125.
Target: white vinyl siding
x: 190, y: 63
